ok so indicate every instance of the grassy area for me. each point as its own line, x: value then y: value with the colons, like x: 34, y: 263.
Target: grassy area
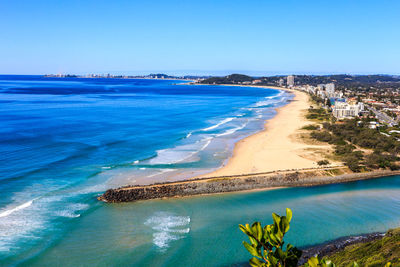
x: 318, y: 115
x: 374, y: 253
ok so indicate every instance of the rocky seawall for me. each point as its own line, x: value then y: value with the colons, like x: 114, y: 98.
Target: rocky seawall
x: 293, y: 178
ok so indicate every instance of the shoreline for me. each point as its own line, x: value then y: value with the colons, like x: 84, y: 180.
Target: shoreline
x: 277, y: 145
x: 182, y: 175
x: 288, y: 163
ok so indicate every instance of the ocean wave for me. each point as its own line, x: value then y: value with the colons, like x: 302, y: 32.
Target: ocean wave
x: 208, y: 141
x: 271, y: 100
x: 167, y: 227
x: 180, y: 153
x: 72, y: 210
x: 219, y: 124
x: 17, y: 208
x: 231, y: 131
x: 19, y: 222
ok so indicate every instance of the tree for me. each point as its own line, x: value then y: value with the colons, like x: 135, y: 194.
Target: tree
x: 328, y: 102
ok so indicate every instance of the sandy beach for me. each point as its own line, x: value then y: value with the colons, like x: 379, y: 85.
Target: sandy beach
x: 278, y: 146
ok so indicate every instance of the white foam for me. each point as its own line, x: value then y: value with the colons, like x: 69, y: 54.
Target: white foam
x: 208, y: 141
x: 270, y: 100
x: 218, y: 124
x: 180, y: 153
x: 67, y: 214
x: 167, y: 227
x: 188, y: 135
x: 28, y: 219
x: 72, y: 210
x: 231, y: 131
x: 19, y: 222
x: 106, y: 167
x: 17, y: 208
x: 136, y: 162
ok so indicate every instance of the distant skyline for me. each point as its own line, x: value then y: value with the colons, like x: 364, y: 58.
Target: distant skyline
x: 200, y: 37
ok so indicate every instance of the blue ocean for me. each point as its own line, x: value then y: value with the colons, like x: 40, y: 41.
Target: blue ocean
x: 63, y: 141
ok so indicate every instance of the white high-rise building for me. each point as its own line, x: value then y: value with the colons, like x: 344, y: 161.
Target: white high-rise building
x: 343, y: 110
x: 290, y: 81
x: 330, y: 89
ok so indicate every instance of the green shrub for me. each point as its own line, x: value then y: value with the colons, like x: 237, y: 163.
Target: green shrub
x: 311, y: 127
x: 344, y: 149
x: 267, y: 245
x: 323, y: 136
x: 352, y: 162
x: 323, y: 162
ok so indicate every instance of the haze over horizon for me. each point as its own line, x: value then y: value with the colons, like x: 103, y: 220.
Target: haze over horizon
x: 200, y: 37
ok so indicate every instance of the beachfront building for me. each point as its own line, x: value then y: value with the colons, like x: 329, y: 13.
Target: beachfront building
x: 343, y: 110
x: 290, y: 81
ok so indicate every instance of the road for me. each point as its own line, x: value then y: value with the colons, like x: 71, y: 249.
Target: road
x: 381, y: 116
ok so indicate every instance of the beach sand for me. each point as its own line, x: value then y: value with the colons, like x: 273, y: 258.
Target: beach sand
x: 278, y: 146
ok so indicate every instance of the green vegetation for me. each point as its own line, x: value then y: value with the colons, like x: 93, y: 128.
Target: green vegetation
x: 349, y: 135
x: 374, y: 253
x: 230, y: 79
x: 318, y: 114
x: 311, y: 127
x: 267, y: 248
x: 267, y: 245
x: 323, y: 162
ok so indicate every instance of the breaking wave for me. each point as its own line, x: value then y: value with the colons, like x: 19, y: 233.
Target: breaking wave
x: 17, y: 208
x: 218, y: 124
x: 167, y: 227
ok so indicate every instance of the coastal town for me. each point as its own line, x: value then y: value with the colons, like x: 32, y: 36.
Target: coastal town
x: 345, y: 104
x: 375, y: 97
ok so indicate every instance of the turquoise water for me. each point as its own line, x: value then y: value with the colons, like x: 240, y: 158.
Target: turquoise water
x: 203, y: 230
x: 64, y: 141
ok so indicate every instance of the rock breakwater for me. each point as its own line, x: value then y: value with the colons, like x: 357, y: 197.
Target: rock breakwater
x: 305, y: 177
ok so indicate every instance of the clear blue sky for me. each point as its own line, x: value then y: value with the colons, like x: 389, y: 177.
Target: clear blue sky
x: 207, y: 36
